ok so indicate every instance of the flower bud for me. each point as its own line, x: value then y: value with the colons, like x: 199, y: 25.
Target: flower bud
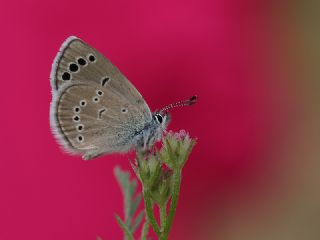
x: 162, y: 192
x: 149, y: 170
x: 176, y: 149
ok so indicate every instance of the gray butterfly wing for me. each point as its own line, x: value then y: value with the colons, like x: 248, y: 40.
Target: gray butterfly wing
x: 77, y: 61
x: 91, y: 120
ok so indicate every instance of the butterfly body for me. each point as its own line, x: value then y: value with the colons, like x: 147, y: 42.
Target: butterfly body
x: 95, y: 110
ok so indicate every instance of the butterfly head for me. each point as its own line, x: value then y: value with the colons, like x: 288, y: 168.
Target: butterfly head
x: 161, y: 119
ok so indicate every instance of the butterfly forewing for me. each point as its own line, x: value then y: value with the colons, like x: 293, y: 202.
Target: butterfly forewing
x: 77, y: 61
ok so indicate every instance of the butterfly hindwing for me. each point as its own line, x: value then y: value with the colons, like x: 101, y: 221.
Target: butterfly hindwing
x: 90, y: 120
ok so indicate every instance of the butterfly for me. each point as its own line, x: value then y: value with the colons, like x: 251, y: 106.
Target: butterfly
x: 95, y: 109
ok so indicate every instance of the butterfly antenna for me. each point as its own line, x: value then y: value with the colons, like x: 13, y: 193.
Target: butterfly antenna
x: 182, y: 103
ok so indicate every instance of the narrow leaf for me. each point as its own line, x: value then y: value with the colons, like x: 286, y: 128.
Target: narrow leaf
x: 125, y: 229
x: 135, y: 204
x: 123, y: 178
x: 133, y: 187
x: 127, y: 204
x: 137, y: 221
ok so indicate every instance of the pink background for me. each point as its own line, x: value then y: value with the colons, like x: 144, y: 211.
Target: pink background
x: 232, y: 54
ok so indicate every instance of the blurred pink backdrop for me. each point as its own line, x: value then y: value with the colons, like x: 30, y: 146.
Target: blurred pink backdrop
x: 235, y: 55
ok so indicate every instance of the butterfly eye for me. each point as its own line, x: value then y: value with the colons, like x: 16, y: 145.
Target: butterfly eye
x: 159, y: 118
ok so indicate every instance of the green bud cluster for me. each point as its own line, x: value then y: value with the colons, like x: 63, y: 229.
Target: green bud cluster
x: 155, y: 169
x: 155, y: 179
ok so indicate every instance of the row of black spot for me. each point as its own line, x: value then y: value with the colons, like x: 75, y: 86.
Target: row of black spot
x: 73, y: 67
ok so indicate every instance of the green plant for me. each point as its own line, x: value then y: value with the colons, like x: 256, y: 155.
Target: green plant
x: 160, y: 173
x: 131, y: 202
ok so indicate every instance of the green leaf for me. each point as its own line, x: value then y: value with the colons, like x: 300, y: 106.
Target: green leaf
x: 135, y: 204
x: 125, y: 229
x: 137, y: 221
x: 126, y: 187
x: 131, y: 202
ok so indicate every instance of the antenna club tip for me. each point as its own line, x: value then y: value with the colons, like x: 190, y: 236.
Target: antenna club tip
x: 193, y: 99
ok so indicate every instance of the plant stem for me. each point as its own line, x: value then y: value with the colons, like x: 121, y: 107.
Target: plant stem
x: 149, y: 211
x: 145, y: 230
x: 174, y: 201
x: 163, y: 215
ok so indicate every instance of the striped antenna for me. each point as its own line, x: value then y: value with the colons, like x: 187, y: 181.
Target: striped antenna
x: 183, y: 103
